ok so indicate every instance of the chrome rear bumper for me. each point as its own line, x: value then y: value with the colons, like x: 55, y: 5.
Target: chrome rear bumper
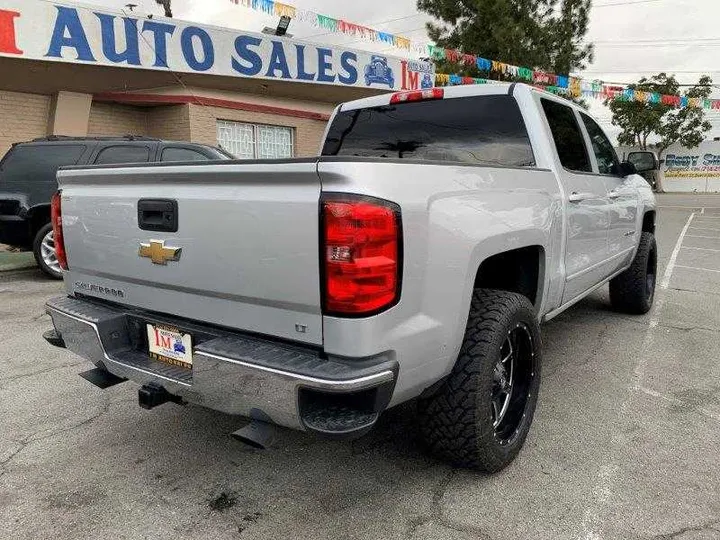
x: 234, y: 373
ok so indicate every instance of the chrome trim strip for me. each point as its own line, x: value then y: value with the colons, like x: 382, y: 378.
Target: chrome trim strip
x: 371, y: 380
x: 348, y: 384
x: 102, y: 347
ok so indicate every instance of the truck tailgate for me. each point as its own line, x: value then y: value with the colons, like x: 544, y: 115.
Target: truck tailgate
x: 248, y: 235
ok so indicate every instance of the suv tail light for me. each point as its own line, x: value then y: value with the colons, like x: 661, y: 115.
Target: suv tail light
x: 56, y: 218
x: 361, y: 250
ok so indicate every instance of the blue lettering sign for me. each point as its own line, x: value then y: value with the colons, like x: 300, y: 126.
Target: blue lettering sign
x: 348, y: 62
x: 69, y: 21
x: 711, y: 160
x: 302, y: 74
x: 250, y: 63
x: 161, y: 32
x: 131, y: 54
x: 325, y: 66
x: 278, y: 61
x: 188, y: 48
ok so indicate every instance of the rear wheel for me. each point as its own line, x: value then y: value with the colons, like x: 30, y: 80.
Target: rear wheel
x: 480, y: 416
x: 44, y: 251
x: 633, y: 291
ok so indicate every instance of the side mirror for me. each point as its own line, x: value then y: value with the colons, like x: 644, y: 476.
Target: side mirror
x: 626, y: 169
x: 643, y: 161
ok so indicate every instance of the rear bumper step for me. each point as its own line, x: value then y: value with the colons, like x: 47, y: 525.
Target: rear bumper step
x: 234, y: 373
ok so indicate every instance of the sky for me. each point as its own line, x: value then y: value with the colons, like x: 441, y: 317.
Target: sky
x: 633, y: 38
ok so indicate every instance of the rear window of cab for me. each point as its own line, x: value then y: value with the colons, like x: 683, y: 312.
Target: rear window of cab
x: 479, y: 130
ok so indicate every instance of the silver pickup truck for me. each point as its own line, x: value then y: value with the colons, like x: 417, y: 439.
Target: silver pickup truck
x: 413, y: 259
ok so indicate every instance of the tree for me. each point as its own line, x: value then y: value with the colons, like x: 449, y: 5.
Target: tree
x: 538, y: 34
x: 664, y: 122
x: 167, y: 5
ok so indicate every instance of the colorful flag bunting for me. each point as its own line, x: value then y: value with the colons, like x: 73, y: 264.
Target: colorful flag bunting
x: 557, y: 84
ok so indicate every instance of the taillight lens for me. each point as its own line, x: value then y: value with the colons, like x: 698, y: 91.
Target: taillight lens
x: 56, y: 218
x: 362, y: 255
x: 417, y: 95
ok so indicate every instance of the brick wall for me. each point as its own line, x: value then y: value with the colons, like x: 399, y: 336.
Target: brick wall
x: 22, y: 117
x: 203, y: 126
x: 111, y: 119
x: 171, y: 122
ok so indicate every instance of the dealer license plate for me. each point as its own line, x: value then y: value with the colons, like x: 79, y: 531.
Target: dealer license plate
x: 169, y: 345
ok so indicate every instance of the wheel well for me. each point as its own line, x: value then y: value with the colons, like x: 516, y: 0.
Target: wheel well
x: 38, y: 219
x: 649, y: 222
x: 516, y: 271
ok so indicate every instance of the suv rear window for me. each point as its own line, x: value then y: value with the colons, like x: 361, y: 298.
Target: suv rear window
x: 481, y: 130
x: 34, y: 164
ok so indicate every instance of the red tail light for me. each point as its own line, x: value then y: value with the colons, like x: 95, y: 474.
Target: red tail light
x: 417, y: 95
x: 362, y: 252
x: 56, y: 218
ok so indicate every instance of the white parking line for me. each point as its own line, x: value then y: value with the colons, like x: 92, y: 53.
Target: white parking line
x: 701, y: 249
x: 669, y: 270
x: 697, y: 268
x: 698, y: 236
x: 607, y: 473
x: 692, y: 207
x: 704, y: 228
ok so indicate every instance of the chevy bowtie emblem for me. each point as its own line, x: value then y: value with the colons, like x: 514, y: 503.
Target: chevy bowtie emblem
x: 159, y: 253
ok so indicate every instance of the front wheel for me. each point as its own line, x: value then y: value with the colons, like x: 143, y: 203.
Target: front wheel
x: 44, y: 251
x: 633, y: 291
x: 480, y: 416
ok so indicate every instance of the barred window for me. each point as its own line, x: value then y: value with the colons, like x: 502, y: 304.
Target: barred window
x: 255, y: 141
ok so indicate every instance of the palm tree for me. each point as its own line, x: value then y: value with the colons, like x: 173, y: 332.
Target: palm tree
x: 166, y: 5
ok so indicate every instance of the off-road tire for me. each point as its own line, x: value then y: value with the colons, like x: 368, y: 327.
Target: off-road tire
x: 456, y: 421
x: 633, y: 291
x: 37, y: 252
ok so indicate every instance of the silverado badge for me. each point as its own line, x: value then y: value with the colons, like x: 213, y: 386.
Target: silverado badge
x: 159, y: 253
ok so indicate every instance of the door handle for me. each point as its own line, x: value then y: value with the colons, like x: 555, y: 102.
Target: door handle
x: 614, y: 194
x: 159, y: 215
x: 576, y: 197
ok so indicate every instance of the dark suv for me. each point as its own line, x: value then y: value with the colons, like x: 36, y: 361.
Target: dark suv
x: 27, y: 181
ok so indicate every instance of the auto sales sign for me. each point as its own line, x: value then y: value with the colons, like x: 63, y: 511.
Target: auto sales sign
x: 62, y: 32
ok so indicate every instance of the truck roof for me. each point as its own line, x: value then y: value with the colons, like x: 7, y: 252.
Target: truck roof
x: 450, y: 92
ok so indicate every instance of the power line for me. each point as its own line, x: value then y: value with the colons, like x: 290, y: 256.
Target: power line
x: 626, y: 3
x: 663, y: 40
x: 656, y: 46
x: 664, y: 70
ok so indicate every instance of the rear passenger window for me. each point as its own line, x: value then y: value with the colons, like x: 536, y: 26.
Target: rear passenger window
x: 567, y: 135
x: 123, y: 154
x: 182, y: 154
x: 481, y: 130
x: 602, y: 147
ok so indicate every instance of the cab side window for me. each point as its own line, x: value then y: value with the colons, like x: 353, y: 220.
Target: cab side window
x: 568, y: 138
x: 602, y: 147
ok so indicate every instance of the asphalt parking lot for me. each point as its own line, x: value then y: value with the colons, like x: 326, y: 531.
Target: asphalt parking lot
x: 625, y: 444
